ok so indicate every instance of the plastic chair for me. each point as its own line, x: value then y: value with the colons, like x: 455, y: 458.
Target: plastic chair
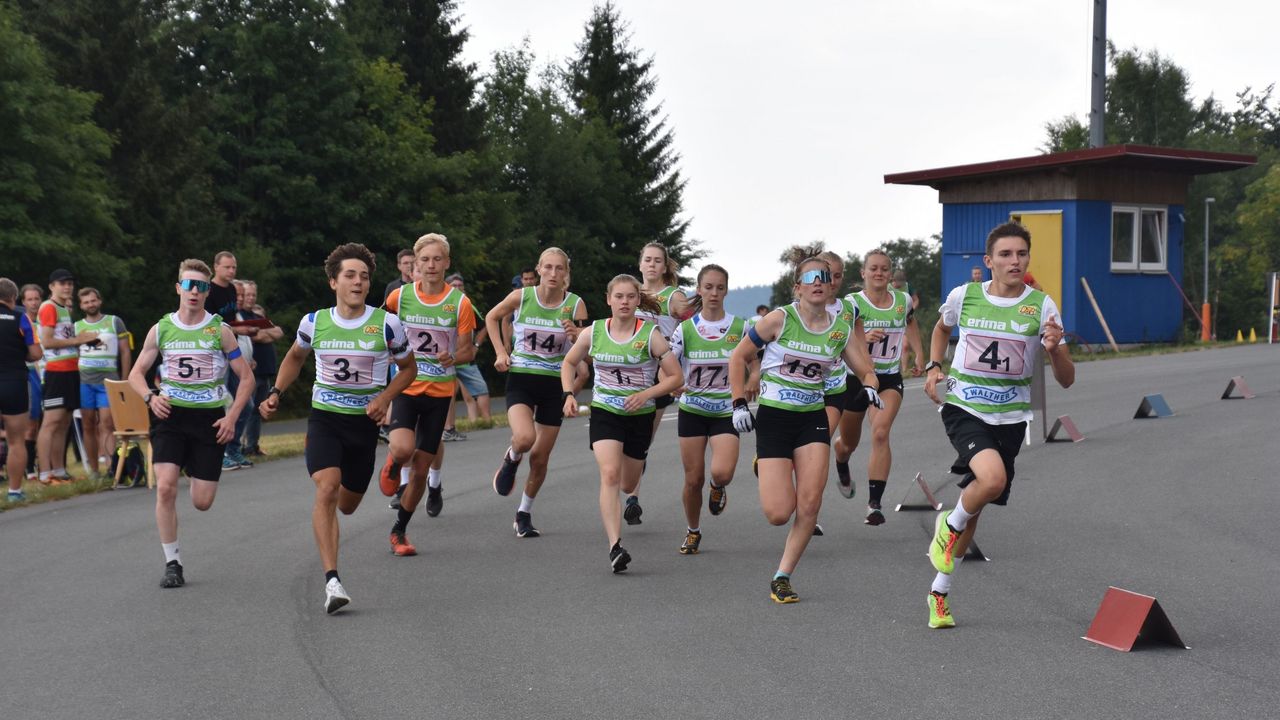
x: 133, y: 423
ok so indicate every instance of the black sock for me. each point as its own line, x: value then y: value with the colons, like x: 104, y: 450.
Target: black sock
x: 31, y: 455
x: 402, y: 520
x: 331, y: 575
x: 876, y: 490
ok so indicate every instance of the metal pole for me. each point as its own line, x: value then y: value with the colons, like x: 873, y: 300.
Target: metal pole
x: 1204, y: 308
x: 1097, y: 105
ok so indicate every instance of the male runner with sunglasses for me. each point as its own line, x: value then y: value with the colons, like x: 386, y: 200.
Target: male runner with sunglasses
x: 190, y: 426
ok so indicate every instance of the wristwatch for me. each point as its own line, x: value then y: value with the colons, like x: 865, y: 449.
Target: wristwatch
x: 273, y: 391
x: 146, y: 399
x: 932, y: 364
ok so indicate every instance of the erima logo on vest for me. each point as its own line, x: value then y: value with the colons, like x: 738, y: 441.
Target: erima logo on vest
x: 986, y: 324
x: 806, y: 347
x: 708, y: 354
x: 336, y: 345
x: 428, y: 320
x: 180, y: 345
x: 605, y: 357
x: 544, y: 322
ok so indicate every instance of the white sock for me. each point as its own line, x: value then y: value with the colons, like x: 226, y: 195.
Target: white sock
x: 404, y: 475
x: 959, y: 517
x: 942, y: 583
x: 512, y: 455
x: 526, y: 504
x: 696, y: 530
x: 44, y: 476
x: 171, y: 552
x: 433, y: 477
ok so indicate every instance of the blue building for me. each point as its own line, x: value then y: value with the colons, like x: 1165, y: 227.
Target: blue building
x: 1113, y: 215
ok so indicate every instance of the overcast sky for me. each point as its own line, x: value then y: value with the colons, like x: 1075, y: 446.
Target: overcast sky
x: 787, y: 123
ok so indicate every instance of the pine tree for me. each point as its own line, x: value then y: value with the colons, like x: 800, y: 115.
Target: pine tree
x: 610, y: 83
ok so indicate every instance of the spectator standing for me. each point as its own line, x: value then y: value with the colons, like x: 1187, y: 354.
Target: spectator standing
x: 17, y: 347
x: 32, y: 297
x: 106, y: 358
x: 60, y: 344
x: 900, y: 283
x: 404, y: 263
x: 475, y: 392
x: 222, y: 293
x: 233, y: 455
x: 264, y: 367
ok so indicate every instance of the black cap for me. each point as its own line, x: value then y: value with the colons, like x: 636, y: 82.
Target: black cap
x: 61, y: 274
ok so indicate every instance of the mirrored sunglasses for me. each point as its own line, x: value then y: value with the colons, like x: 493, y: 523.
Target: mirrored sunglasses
x: 811, y: 276
x: 201, y: 286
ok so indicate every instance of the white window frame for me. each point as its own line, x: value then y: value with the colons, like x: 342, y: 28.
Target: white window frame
x: 1134, y: 263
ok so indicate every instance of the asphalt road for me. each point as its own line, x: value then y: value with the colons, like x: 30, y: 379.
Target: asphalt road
x: 485, y: 625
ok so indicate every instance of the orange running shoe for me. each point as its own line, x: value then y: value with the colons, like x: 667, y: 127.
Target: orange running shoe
x: 400, y: 545
x: 389, y: 479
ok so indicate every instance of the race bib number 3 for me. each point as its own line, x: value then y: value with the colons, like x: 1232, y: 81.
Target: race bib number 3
x: 1000, y: 356
x: 346, y: 371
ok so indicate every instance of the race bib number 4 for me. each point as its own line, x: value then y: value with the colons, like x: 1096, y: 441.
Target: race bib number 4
x: 1000, y: 356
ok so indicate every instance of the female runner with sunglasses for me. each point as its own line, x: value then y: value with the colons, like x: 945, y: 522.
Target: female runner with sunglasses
x: 887, y: 319
x: 627, y: 352
x: 802, y: 342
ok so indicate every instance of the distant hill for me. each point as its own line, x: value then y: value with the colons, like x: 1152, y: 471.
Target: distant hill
x: 743, y: 301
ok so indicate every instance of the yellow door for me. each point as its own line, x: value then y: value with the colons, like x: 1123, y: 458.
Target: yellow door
x: 1046, y: 248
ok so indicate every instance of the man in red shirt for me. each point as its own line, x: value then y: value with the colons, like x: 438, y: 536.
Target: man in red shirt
x: 61, y: 346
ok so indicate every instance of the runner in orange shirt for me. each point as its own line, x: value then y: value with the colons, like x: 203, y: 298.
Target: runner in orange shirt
x: 440, y: 323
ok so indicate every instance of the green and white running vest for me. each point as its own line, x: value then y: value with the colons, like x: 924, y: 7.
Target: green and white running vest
x: 63, y: 329
x: 100, y: 361
x: 432, y: 329
x: 997, y: 351
x: 846, y: 309
x: 705, y: 363
x: 538, y: 339
x: 622, y: 368
x: 666, y: 324
x: 193, y: 366
x: 796, y: 366
x: 351, y: 359
x: 886, y: 352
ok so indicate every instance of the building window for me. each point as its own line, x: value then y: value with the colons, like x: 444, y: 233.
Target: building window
x: 1138, y: 239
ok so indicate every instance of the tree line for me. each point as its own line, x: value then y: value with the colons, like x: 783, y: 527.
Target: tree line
x: 136, y: 133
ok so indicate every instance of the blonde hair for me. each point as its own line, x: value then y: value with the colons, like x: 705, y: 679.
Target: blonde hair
x: 194, y: 265
x: 877, y: 251
x: 556, y: 251
x: 809, y: 261
x: 430, y: 239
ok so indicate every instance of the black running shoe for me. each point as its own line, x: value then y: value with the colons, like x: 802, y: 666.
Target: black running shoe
x: 435, y: 501
x: 524, y: 526
x: 717, y: 498
x: 844, y: 481
x: 632, y: 512
x: 172, y: 575
x: 874, y: 516
x: 691, y: 541
x: 817, y: 531
x: 619, y: 557
x: 505, y: 479
x: 781, y: 592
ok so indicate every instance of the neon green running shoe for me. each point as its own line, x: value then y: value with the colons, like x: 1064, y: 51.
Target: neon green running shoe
x: 940, y: 612
x: 944, y: 541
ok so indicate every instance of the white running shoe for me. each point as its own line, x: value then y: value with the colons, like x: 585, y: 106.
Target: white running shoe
x: 335, y: 596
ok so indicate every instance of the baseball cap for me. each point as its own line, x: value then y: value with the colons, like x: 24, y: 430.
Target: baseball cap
x: 61, y: 274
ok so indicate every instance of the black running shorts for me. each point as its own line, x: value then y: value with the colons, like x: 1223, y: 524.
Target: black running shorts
x: 662, y: 401
x: 542, y: 393
x: 859, y: 402
x: 188, y: 439
x: 780, y: 432
x: 346, y: 442
x: 970, y: 435
x: 62, y: 391
x: 14, y: 399
x: 690, y: 424
x: 634, y: 431
x: 423, y: 414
